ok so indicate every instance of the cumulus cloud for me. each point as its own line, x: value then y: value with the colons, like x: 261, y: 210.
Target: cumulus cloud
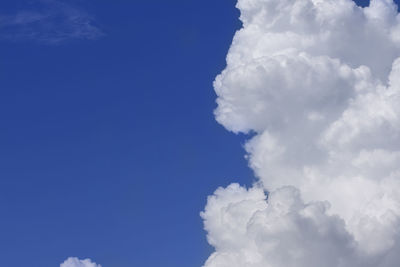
x: 75, y: 262
x: 50, y: 22
x: 317, y: 82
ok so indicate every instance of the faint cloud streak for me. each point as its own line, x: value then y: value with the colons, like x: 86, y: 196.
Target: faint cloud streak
x: 51, y: 22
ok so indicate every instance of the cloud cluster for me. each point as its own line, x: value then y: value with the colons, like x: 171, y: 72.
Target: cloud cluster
x: 75, y: 262
x: 317, y: 82
x: 50, y: 22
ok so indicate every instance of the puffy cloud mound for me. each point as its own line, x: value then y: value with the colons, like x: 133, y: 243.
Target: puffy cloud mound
x: 317, y: 82
x: 75, y: 262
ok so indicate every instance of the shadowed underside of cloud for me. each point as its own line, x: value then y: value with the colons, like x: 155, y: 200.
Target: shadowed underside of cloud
x: 50, y: 22
x: 318, y: 82
x: 75, y: 262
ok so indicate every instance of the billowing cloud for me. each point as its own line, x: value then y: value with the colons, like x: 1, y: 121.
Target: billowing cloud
x: 317, y: 82
x: 75, y: 262
x: 50, y: 22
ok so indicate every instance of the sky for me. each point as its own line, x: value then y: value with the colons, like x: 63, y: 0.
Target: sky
x: 109, y: 144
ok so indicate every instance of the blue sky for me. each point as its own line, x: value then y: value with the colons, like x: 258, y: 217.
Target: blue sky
x: 109, y: 146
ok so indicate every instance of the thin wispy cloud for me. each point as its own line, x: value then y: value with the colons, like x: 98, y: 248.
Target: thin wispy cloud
x: 50, y: 22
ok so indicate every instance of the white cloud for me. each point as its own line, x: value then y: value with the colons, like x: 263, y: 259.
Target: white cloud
x: 50, y: 22
x: 318, y: 83
x: 75, y: 262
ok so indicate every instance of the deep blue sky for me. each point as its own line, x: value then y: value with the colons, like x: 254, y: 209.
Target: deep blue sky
x: 108, y: 147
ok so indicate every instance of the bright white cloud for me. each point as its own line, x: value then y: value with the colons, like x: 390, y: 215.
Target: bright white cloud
x: 318, y: 82
x: 75, y: 262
